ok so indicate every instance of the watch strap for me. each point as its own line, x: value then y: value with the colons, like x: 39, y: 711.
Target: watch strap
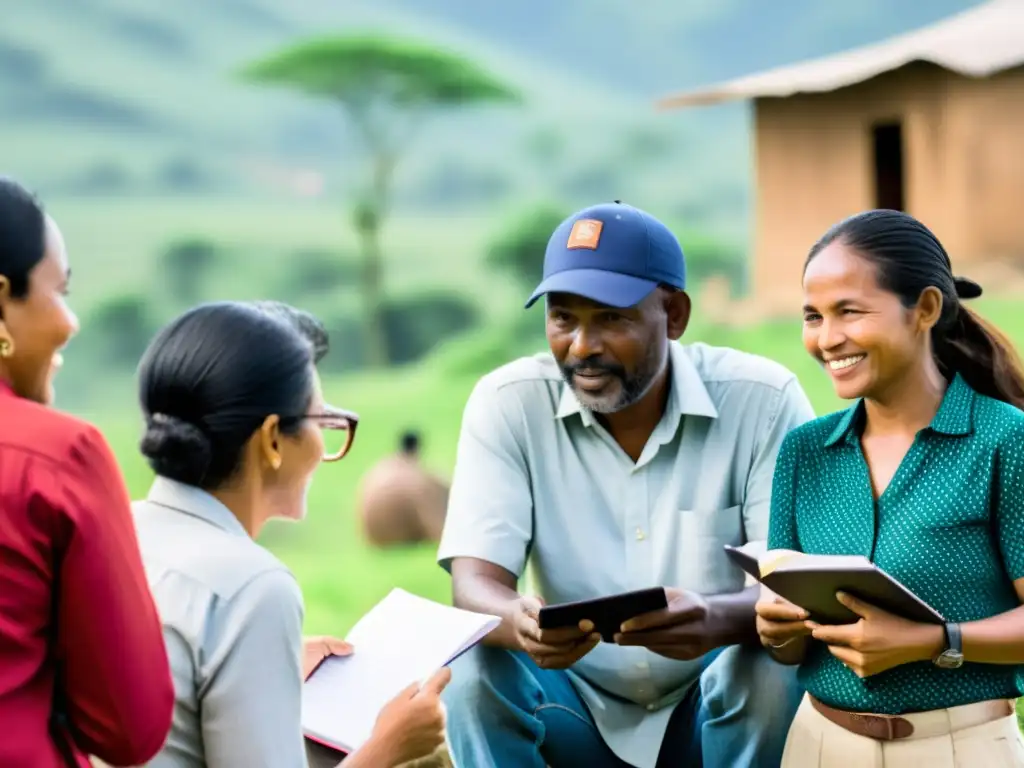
x: 954, y: 638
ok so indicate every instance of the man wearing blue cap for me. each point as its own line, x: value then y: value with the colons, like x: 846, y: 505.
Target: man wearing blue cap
x: 618, y: 461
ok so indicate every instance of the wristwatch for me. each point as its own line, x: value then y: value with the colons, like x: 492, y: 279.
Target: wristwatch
x: 953, y: 656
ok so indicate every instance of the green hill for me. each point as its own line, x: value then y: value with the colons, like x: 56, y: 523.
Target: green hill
x: 127, y: 116
x: 127, y: 95
x: 130, y: 97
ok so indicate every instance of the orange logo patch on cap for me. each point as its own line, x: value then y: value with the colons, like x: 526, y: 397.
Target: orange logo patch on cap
x: 586, y: 233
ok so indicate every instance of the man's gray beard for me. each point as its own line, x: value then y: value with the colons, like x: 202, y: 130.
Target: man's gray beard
x: 631, y: 391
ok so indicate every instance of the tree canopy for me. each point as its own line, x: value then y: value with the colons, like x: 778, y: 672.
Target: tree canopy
x: 366, y: 69
x: 385, y: 86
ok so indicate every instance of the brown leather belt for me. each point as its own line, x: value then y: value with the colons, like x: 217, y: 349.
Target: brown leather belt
x: 883, y: 727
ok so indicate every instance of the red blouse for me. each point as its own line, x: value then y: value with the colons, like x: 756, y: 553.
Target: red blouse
x: 83, y: 667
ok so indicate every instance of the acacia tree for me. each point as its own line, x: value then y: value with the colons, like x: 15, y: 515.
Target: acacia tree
x: 386, y: 87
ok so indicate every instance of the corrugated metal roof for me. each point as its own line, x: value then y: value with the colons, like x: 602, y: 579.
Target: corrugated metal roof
x: 978, y: 42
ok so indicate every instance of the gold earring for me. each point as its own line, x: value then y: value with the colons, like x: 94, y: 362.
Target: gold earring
x: 6, y: 348
x: 276, y: 462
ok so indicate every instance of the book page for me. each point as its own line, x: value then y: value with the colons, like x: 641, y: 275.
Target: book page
x: 404, y: 639
x: 796, y: 561
x: 773, y: 558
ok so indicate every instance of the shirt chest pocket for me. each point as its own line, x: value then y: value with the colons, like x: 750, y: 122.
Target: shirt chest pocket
x: 703, y: 533
x: 725, y: 525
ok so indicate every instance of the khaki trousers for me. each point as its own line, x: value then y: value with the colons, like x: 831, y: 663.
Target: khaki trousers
x: 943, y: 738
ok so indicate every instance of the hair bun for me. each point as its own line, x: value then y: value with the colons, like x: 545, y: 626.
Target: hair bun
x: 176, y: 448
x: 966, y: 288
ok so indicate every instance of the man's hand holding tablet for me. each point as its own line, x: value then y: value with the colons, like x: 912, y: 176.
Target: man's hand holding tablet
x: 686, y: 628
x: 552, y: 647
x: 601, y: 617
x: 671, y: 622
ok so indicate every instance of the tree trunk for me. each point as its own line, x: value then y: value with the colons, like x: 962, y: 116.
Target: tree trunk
x: 369, y: 223
x: 372, y: 289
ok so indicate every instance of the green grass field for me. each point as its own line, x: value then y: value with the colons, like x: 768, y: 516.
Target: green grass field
x: 340, y: 576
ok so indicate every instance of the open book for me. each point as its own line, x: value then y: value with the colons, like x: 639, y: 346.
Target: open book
x: 402, y: 640
x: 811, y: 582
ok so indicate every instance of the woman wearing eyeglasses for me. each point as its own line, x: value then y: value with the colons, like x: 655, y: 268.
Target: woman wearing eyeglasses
x: 235, y: 427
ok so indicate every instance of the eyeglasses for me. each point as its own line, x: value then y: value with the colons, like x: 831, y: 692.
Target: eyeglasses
x: 339, y: 428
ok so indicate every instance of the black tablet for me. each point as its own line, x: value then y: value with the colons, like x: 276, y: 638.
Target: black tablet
x: 607, y: 613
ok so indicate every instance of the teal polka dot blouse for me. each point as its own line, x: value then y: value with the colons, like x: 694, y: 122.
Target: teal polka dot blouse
x: 950, y: 526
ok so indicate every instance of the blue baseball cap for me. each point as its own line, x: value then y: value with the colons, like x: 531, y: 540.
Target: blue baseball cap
x: 613, y: 254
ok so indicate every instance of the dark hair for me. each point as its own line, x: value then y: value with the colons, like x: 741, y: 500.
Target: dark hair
x: 22, y: 234
x: 410, y: 441
x: 208, y: 381
x: 304, y: 323
x: 909, y: 258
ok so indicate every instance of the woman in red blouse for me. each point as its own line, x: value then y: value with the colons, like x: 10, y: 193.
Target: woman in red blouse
x: 83, y: 667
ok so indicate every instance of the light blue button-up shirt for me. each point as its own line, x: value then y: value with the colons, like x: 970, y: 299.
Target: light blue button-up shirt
x: 232, y: 617
x: 538, y: 479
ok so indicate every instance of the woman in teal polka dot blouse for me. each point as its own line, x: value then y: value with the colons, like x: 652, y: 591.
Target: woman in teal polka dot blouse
x: 924, y: 475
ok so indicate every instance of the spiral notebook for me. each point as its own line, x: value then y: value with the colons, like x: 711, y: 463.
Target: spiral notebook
x: 402, y: 640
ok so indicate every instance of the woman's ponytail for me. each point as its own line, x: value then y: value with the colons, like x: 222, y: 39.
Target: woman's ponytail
x: 980, y: 352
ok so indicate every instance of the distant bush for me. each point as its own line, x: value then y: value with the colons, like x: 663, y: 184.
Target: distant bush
x: 710, y: 256
x: 416, y: 324
x: 116, y: 333
x: 491, y: 347
x: 316, y: 272
x: 185, y: 266
x: 347, y: 339
x: 519, y: 246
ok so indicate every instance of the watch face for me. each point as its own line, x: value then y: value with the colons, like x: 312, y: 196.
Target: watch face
x: 949, y: 660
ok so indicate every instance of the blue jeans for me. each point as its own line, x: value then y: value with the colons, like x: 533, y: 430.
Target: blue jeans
x: 505, y: 711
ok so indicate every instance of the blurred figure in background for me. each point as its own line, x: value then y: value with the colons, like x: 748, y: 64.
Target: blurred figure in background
x: 234, y: 432
x: 83, y: 668
x: 400, y: 501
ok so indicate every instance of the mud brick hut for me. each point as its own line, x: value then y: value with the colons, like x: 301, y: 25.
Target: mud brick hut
x: 930, y: 122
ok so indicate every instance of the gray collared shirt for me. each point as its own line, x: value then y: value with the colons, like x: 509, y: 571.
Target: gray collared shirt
x: 538, y: 478
x: 232, y: 618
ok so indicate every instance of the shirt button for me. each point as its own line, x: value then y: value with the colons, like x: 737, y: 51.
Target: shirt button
x: 640, y: 535
x: 643, y: 665
x: 651, y: 707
